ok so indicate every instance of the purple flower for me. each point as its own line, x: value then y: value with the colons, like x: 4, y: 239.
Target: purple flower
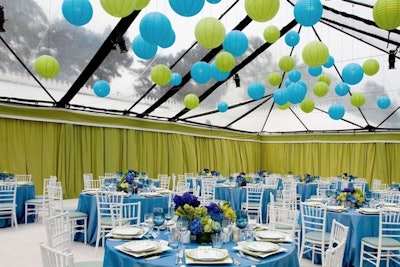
x: 195, y: 227
x: 348, y: 190
x: 206, y: 170
x: 214, y: 211
x: 186, y: 198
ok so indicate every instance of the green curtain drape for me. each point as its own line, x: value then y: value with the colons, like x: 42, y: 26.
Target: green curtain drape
x: 68, y: 150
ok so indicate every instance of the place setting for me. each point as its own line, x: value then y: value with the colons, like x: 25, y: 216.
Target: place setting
x: 144, y: 248
x: 127, y: 233
x: 260, y: 249
x: 207, y: 256
x: 271, y: 236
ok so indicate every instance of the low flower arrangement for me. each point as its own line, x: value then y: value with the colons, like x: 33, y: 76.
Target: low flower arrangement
x: 262, y: 174
x: 204, y: 219
x: 127, y: 179
x: 207, y: 172
x: 6, y: 175
x: 242, y: 179
x: 307, y: 178
x: 349, y: 177
x: 351, y: 195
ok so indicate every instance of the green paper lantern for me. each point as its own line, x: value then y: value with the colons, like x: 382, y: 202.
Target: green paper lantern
x: 225, y: 61
x: 261, y: 10
x: 315, y: 54
x: 357, y: 99
x: 191, y: 101
x: 161, y: 74
x: 47, y: 66
x: 140, y: 4
x: 209, y: 32
x: 320, y: 89
x: 325, y: 78
x: 271, y: 34
x: 370, y: 67
x: 286, y: 63
x: 386, y: 14
x: 120, y: 8
x: 307, y: 105
x: 283, y: 107
x: 275, y: 78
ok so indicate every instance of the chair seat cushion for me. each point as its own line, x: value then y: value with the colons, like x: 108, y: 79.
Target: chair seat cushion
x: 386, y: 242
x: 36, y: 201
x: 76, y: 214
x: 317, y: 236
x: 287, y: 227
x: 6, y: 206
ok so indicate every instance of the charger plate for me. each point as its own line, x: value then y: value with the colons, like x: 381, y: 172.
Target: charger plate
x: 260, y: 246
x: 163, y: 246
x: 270, y: 235
x: 207, y: 256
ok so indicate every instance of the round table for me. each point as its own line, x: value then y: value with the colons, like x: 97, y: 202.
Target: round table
x: 114, y: 257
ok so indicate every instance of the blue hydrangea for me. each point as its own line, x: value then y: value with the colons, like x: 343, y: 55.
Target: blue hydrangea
x: 195, y: 227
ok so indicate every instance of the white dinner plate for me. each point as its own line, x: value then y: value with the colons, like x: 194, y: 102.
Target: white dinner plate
x: 141, y: 245
x: 368, y: 211
x: 260, y: 246
x: 207, y: 254
x: 127, y: 231
x: 270, y: 235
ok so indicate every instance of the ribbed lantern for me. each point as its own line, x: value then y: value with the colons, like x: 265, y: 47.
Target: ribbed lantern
x: 307, y: 105
x: 352, y: 73
x: 101, y: 88
x: 386, y: 14
x: 286, y: 63
x: 187, y: 8
x: 77, y: 12
x: 383, y: 102
x: 294, y: 75
x: 370, y: 67
x: 324, y: 78
x: 236, y: 43
x: 191, y: 101
x: 336, y: 111
x: 315, y: 53
x: 47, y: 66
x: 217, y: 74
x: 256, y: 90
x: 271, y: 34
x: 329, y: 63
x: 140, y: 4
x: 201, y: 72
x: 118, y: 8
x: 143, y: 49
x: 275, y: 78
x: 308, y: 12
x: 209, y: 32
x: 283, y: 107
x: 292, y: 38
x: 342, y: 89
x: 357, y: 99
x: 161, y: 74
x: 315, y: 71
x: 296, y: 93
x: 281, y: 96
x: 225, y: 61
x: 155, y: 27
x: 261, y: 10
x: 176, y: 79
x: 320, y: 89
x: 222, y: 106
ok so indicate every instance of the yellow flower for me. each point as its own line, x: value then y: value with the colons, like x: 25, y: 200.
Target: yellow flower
x: 124, y: 185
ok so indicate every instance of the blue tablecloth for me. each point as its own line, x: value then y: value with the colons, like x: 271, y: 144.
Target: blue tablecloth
x: 24, y: 192
x: 113, y: 257
x: 87, y: 204
x: 237, y: 195
x: 306, y: 190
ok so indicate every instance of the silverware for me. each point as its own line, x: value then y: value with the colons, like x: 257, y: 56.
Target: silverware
x: 242, y: 255
x: 154, y: 257
x: 235, y: 261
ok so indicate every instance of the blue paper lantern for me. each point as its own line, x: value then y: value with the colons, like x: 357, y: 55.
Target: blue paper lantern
x: 201, y: 72
x: 256, y: 90
x: 295, y: 75
x: 296, y: 93
x: 143, y: 49
x: 383, y: 102
x: 342, y: 89
x: 308, y: 12
x: 222, y: 106
x: 155, y: 27
x: 186, y: 8
x: 292, y: 38
x: 77, y: 12
x: 329, y: 63
x: 213, y: 1
x: 352, y: 73
x: 288, y: 82
x: 236, y: 43
x: 336, y: 111
x: 281, y: 96
x: 315, y: 71
x: 217, y: 74
x: 176, y: 79
x: 101, y: 88
x: 168, y: 41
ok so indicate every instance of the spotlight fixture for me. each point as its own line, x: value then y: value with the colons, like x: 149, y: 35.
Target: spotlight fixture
x: 392, y: 59
x: 2, y: 20
x: 119, y: 40
x: 236, y: 78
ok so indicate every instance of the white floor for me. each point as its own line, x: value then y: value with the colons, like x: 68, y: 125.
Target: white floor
x: 20, y: 248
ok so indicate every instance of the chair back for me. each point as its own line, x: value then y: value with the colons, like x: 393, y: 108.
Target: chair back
x: 207, y: 193
x: 284, y: 219
x: 8, y: 192
x: 359, y: 185
x: 271, y: 182
x: 55, y: 258
x: 165, y: 181
x: 313, y: 218
x: 334, y: 256
x: 389, y: 223
x: 289, y: 198
x: 322, y: 188
x: 58, y: 232
x: 254, y: 199
x: 126, y: 214
x: 87, y: 181
x: 108, y: 208
x: 55, y: 196
x: 23, y: 178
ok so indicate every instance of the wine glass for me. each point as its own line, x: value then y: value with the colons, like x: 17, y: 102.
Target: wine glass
x: 182, y: 224
x: 158, y: 219
x: 169, y: 214
x: 149, y: 222
x: 241, y: 222
x: 227, y: 229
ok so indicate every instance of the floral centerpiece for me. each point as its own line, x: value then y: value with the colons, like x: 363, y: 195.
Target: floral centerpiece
x: 127, y: 180
x: 205, y: 220
x: 207, y: 172
x: 6, y: 175
x: 349, y: 177
x: 355, y: 197
x: 262, y: 174
x: 241, y: 179
x: 307, y: 178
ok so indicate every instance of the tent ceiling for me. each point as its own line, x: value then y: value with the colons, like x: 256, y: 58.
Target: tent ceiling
x: 87, y: 54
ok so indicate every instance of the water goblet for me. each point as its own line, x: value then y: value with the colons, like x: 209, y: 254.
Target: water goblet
x: 148, y: 222
x: 182, y: 224
x: 158, y: 219
x: 169, y: 214
x: 241, y: 222
x: 227, y: 229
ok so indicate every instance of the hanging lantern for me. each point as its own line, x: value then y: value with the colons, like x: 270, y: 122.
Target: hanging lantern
x: 256, y: 90
x: 281, y: 96
x: 329, y: 63
x: 370, y: 67
x: 176, y: 79
x: 307, y: 105
x: 77, y: 12
x: 320, y: 89
x: 386, y: 14
x: 47, y: 66
x: 315, y: 53
x: 271, y: 34
x: 286, y: 63
x: 120, y: 8
x: 200, y: 72
x: 292, y: 38
x: 324, y: 78
x: 283, y: 107
x: 143, y: 49
x: 225, y: 61
x: 296, y: 93
x: 203, y: 31
x: 101, y: 88
x: 140, y: 4
x: 294, y: 76
x: 383, y: 102
x: 315, y: 71
x: 236, y: 43
x: 342, y: 89
x: 336, y: 111
x: 308, y: 12
x: 213, y: 1
x: 187, y: 8
x: 275, y: 78
x: 168, y: 41
x: 155, y: 27
x: 191, y: 101
x: 357, y: 99
x: 222, y: 106
x: 161, y: 74
x: 217, y: 74
x: 261, y: 10
x: 352, y: 73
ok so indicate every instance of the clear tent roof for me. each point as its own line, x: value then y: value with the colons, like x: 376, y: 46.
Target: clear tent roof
x: 85, y: 54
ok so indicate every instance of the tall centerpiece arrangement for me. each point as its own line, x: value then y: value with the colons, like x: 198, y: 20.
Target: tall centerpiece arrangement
x: 352, y: 197
x: 127, y: 181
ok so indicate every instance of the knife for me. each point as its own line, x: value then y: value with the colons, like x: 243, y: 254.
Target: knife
x: 155, y: 257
